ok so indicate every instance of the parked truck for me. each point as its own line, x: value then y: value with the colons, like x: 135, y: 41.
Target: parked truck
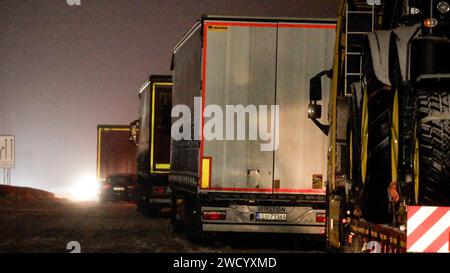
x: 388, y: 186
x: 232, y: 184
x: 151, y: 133
x: 116, y: 162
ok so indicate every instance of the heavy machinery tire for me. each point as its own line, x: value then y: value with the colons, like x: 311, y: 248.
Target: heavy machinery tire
x: 375, y: 201
x: 434, y: 149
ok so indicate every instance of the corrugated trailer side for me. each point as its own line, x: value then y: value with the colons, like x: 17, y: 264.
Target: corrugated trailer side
x: 186, y: 66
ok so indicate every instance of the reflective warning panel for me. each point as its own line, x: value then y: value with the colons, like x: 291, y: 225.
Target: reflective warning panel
x: 428, y: 229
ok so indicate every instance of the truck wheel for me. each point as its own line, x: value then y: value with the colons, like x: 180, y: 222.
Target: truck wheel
x: 176, y: 224
x: 144, y: 207
x: 140, y: 202
x: 434, y: 149
x: 153, y: 211
x: 194, y: 228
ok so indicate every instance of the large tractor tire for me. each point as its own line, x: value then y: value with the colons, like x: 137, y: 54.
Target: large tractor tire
x: 375, y: 203
x: 434, y: 148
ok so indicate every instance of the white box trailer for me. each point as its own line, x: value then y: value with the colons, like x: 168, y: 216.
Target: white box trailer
x: 232, y: 185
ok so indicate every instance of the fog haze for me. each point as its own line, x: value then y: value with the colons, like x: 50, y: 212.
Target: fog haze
x: 66, y: 69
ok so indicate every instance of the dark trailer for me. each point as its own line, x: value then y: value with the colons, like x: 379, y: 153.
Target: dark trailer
x: 115, y: 153
x: 153, y: 142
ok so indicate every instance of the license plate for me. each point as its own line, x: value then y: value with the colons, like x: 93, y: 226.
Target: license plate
x: 264, y: 216
x: 119, y: 188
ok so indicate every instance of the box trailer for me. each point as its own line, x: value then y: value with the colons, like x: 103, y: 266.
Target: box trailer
x: 231, y: 184
x: 153, y: 144
x: 116, y: 155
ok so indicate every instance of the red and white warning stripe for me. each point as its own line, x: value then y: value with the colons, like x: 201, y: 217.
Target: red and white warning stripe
x: 428, y: 229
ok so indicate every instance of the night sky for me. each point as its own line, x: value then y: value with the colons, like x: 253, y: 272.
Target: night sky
x: 64, y: 69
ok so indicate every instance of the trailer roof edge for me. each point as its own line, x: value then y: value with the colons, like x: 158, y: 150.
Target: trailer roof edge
x: 270, y: 19
x: 200, y: 22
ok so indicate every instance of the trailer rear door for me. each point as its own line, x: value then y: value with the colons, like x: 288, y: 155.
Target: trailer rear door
x: 115, y: 153
x: 161, y: 105
x: 265, y: 63
x: 240, y: 70
x: 304, y: 49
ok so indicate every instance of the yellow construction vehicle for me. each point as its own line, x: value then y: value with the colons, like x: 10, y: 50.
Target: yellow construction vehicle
x: 388, y: 184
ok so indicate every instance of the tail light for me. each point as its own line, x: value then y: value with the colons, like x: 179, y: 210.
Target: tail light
x: 214, y: 215
x: 159, y: 190
x: 430, y: 22
x: 106, y: 186
x: 321, y: 217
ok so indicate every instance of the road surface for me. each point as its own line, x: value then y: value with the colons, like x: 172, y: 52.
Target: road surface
x: 117, y: 227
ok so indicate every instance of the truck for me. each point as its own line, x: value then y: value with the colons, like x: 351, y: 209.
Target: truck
x: 257, y: 71
x: 151, y: 134
x: 388, y: 184
x: 116, y: 157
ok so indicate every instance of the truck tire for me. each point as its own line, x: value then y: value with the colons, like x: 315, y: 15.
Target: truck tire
x: 434, y: 149
x: 141, y: 205
x: 177, y: 225
x: 153, y: 211
x: 194, y: 229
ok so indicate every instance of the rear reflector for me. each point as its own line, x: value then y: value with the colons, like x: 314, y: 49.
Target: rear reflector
x: 321, y: 218
x: 214, y: 215
x: 206, y: 172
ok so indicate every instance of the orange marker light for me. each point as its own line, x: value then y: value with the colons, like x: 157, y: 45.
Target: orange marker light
x: 430, y: 22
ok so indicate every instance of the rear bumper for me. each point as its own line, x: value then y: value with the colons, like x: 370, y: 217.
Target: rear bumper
x: 316, y: 230
x: 242, y: 218
x: 115, y: 195
x: 161, y: 201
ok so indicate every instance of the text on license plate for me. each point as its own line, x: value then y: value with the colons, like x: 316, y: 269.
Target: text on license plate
x: 119, y: 188
x: 264, y: 216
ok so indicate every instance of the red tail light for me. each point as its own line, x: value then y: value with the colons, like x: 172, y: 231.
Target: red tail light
x: 159, y: 190
x: 321, y: 218
x: 106, y: 186
x: 214, y: 215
